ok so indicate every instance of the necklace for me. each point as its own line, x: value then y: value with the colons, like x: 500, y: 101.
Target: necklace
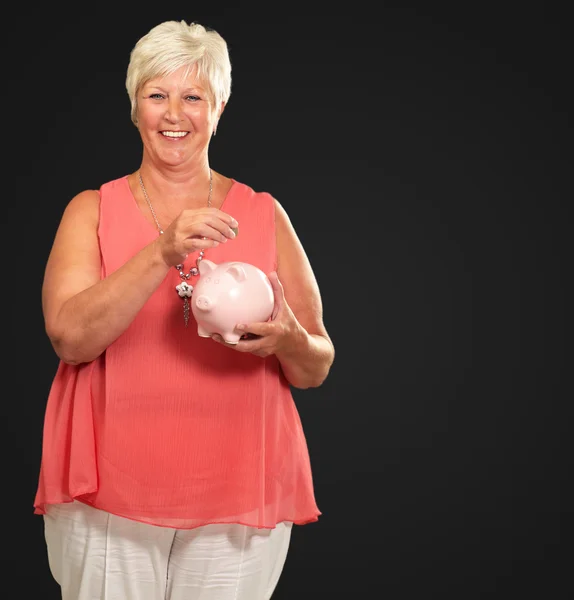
x: 183, y: 289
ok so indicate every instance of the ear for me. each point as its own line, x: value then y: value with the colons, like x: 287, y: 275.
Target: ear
x: 237, y: 272
x: 206, y: 266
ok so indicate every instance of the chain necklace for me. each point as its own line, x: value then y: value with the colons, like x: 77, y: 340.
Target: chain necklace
x: 184, y: 289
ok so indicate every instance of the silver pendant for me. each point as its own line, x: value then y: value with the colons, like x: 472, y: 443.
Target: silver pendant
x: 184, y: 290
x: 186, y: 310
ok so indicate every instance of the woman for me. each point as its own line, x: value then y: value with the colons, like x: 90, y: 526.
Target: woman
x: 174, y: 465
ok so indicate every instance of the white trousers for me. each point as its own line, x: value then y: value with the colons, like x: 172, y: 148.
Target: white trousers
x: 94, y: 555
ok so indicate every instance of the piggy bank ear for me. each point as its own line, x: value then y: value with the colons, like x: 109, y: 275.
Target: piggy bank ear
x: 205, y: 266
x: 237, y: 272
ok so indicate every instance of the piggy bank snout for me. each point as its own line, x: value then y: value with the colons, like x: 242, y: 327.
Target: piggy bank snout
x: 204, y: 302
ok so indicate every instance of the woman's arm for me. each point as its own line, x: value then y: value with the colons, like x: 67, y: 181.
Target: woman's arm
x: 307, y: 356
x: 83, y: 314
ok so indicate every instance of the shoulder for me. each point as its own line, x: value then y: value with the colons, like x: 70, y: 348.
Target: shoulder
x: 88, y: 200
x: 256, y: 197
x: 264, y: 197
x: 82, y: 209
x: 120, y: 183
x: 84, y: 202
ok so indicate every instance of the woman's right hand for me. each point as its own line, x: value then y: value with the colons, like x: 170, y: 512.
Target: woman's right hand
x: 195, y: 229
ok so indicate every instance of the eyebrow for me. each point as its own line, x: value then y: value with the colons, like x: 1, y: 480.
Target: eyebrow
x: 188, y: 89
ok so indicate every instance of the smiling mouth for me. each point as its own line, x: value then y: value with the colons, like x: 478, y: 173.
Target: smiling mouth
x: 174, y: 134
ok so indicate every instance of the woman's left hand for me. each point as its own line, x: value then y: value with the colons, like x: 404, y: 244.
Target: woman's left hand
x: 271, y: 336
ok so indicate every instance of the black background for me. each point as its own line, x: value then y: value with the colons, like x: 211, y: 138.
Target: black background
x: 423, y: 155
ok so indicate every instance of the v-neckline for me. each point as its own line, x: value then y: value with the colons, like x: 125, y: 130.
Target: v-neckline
x: 234, y: 184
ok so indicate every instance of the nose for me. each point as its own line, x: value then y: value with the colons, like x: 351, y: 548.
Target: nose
x: 174, y: 114
x: 204, y: 303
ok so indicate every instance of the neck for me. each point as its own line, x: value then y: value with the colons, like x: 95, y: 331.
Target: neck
x: 176, y: 189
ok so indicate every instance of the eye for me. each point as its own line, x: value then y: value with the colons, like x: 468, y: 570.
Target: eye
x: 156, y: 95
x: 193, y: 98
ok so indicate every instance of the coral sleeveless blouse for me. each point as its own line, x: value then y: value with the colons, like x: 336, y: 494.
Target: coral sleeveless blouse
x: 169, y: 428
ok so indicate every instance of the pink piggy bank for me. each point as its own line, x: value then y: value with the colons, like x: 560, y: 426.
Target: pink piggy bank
x: 227, y: 294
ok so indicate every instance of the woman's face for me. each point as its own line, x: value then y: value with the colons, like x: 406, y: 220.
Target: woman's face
x: 175, y: 118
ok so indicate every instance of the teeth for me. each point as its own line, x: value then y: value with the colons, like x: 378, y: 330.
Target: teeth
x: 174, y: 133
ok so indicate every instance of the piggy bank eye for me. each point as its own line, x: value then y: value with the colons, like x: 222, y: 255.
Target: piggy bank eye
x: 216, y: 281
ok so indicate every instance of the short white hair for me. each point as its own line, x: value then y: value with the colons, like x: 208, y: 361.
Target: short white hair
x: 174, y: 44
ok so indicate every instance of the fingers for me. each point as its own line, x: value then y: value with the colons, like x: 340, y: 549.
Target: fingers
x: 278, y: 294
x: 253, y: 346
x: 205, y: 224
x: 228, y: 219
x: 216, y: 212
x: 196, y: 229
x: 212, y: 216
x: 257, y: 329
x: 191, y: 244
x: 212, y: 230
x: 276, y: 285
